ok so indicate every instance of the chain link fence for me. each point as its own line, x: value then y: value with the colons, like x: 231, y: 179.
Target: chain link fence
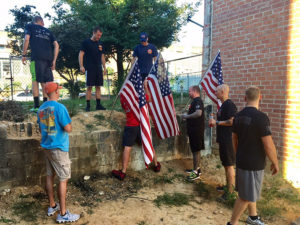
x: 184, y: 72
x: 16, y: 83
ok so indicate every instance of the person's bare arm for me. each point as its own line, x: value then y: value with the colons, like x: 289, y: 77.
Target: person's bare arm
x: 225, y: 123
x: 103, y: 64
x: 234, y: 142
x: 271, y: 153
x: 133, y: 60
x: 68, y: 128
x: 25, y: 47
x: 154, y: 59
x: 80, y: 60
x: 55, y: 53
x: 195, y: 114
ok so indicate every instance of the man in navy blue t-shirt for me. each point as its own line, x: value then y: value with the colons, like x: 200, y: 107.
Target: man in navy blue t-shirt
x: 146, y: 54
x: 91, y: 60
x: 44, y: 51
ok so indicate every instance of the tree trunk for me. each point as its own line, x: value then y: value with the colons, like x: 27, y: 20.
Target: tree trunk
x: 120, y: 67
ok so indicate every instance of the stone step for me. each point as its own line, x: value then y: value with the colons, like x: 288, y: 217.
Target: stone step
x: 19, y: 130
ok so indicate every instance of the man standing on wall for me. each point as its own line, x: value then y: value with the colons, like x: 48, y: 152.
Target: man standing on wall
x: 224, y: 122
x: 195, y: 130
x: 44, y: 51
x: 55, y: 124
x: 91, y: 60
x: 146, y: 54
x: 252, y: 142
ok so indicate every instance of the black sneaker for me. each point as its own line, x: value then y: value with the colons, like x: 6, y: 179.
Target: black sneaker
x: 100, y: 107
x: 221, y: 188
x: 189, y: 170
x: 87, y: 109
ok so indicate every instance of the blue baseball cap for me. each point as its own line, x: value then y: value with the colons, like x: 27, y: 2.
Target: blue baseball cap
x: 143, y: 37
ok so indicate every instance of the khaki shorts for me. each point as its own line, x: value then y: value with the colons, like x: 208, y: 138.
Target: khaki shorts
x: 58, y: 162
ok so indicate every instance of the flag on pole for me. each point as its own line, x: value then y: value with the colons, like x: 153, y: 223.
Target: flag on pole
x: 134, y: 95
x: 161, y: 107
x: 212, y: 79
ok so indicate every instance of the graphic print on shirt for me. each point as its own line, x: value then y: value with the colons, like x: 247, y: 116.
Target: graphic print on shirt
x: 47, y: 118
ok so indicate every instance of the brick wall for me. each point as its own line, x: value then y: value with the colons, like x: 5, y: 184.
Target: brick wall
x: 253, y: 37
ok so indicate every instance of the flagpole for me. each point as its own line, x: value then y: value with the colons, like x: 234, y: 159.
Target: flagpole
x: 127, y: 77
x: 211, y: 63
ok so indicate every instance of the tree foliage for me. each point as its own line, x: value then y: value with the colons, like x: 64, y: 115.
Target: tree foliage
x: 123, y: 20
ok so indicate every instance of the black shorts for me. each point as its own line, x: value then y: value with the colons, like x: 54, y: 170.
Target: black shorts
x: 196, y: 139
x: 227, y: 154
x: 41, y: 71
x: 94, y: 77
x: 131, y: 135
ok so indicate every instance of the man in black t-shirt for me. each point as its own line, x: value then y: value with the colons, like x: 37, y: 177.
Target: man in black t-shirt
x: 224, y: 132
x: 252, y: 142
x: 91, y: 60
x: 146, y: 54
x: 44, y: 51
x: 195, y: 130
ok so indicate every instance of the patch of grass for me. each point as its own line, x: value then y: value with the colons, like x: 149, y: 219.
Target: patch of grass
x: 90, y: 127
x: 90, y: 211
x: 142, y: 223
x: 219, y: 166
x: 164, y: 179
x: 23, y: 196
x: 204, y: 190
x: 170, y: 170
x: 100, y: 118
x: 175, y: 199
x: 26, y: 210
x: 5, y: 220
x: 268, y: 209
x: 230, y: 198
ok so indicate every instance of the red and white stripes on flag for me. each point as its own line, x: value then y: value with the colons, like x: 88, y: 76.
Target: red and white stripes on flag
x: 162, y: 108
x: 134, y: 95
x: 212, y: 79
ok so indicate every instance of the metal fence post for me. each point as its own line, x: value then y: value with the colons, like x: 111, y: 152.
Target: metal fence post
x: 11, y: 79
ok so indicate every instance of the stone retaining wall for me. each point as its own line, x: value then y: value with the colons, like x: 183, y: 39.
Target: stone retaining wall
x: 22, y: 160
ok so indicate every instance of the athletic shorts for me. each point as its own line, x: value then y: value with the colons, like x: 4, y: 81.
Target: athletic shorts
x: 249, y: 184
x: 227, y: 154
x: 94, y: 77
x: 58, y: 162
x: 41, y: 71
x: 131, y: 135
x: 196, y: 139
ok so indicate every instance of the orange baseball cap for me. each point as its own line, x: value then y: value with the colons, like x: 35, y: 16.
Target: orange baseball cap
x: 51, y: 87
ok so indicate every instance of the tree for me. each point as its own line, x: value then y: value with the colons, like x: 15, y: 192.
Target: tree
x: 123, y: 20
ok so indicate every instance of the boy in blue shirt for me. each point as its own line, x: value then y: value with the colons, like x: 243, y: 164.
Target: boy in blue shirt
x: 55, y: 124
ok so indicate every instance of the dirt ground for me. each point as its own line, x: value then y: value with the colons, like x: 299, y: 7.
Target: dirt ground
x: 104, y: 200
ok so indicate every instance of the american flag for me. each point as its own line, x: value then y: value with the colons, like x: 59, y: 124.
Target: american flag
x: 212, y: 79
x: 162, y: 109
x: 134, y: 95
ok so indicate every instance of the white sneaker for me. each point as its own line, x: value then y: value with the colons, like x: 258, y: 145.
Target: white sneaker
x: 249, y: 221
x: 67, y: 218
x: 51, y: 210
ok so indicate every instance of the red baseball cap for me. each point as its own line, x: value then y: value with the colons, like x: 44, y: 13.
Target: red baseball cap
x: 51, y: 87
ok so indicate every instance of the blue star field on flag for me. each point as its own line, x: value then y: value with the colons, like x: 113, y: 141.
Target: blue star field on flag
x: 217, y: 69
x: 161, y: 74
x: 136, y: 79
